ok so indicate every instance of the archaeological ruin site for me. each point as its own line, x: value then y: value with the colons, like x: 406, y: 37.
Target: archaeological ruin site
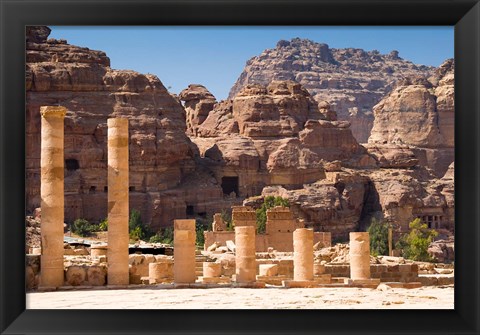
x: 277, y: 187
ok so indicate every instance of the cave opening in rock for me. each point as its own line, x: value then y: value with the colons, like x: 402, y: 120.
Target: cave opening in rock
x: 229, y: 185
x: 190, y: 210
x: 371, y: 206
x: 72, y: 164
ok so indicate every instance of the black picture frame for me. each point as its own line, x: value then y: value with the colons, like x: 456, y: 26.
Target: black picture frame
x: 15, y: 15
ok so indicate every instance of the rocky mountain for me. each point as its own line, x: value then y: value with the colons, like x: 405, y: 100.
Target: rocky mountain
x: 202, y: 157
x: 277, y: 140
x: 418, y: 115
x: 351, y: 80
x: 161, y: 155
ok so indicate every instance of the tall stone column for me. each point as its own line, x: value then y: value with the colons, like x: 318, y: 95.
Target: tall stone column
x: 118, y: 207
x: 359, y: 256
x: 245, y: 266
x: 303, y: 254
x: 184, y: 252
x: 51, y: 193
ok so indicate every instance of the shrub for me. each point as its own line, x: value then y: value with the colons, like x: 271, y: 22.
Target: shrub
x: 268, y: 202
x: 378, y: 232
x: 137, y: 229
x: 414, y: 245
x: 103, y: 225
x: 200, y: 238
x: 82, y: 227
x: 164, y: 236
x: 227, y: 218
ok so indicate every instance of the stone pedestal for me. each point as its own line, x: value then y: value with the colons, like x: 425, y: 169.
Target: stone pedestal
x: 184, y: 252
x: 98, y: 250
x: 245, y: 266
x: 212, y: 270
x: 359, y: 256
x: 51, y: 193
x: 303, y: 254
x: 118, y: 207
x: 160, y: 272
x: 268, y: 270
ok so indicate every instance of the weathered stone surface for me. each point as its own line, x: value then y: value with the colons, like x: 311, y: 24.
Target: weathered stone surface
x: 96, y: 275
x: 272, y: 138
x: 161, y: 155
x: 347, y: 200
x: 419, y: 116
x: 351, y: 80
x: 198, y: 103
x: 76, y: 275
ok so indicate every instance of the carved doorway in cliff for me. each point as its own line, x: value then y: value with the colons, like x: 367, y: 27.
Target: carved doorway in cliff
x: 229, y: 185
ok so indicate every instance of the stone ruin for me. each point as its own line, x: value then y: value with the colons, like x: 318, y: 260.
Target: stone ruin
x: 280, y: 226
x: 112, y: 265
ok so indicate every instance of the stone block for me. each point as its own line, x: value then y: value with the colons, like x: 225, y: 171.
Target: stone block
x: 268, y: 270
x: 81, y: 252
x: 230, y: 245
x: 318, y: 269
x: 446, y: 280
x: 69, y: 252
x: 160, y: 272
x: 212, y: 270
x: 97, y: 251
x: 299, y: 284
x: 362, y: 282
x: 412, y: 285
x: 135, y: 279
x: 323, y: 279
x: 405, y: 268
x: 76, y: 275
x: 215, y: 280
x: 96, y: 275
x: 275, y: 280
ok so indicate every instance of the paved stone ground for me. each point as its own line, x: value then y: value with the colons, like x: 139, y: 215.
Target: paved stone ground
x: 429, y: 297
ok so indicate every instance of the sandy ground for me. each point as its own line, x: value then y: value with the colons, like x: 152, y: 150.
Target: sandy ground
x: 428, y: 297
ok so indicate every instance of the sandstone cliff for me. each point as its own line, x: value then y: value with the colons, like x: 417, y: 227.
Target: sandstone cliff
x: 273, y: 138
x: 418, y: 115
x: 352, y: 80
x: 161, y: 155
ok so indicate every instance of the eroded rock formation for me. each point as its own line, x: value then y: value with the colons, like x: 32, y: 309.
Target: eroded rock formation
x: 273, y: 138
x: 161, y: 155
x: 352, y: 80
x: 417, y: 118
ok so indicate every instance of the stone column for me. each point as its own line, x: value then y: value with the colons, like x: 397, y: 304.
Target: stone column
x: 184, y: 252
x: 245, y: 266
x: 51, y: 193
x: 118, y: 207
x: 303, y: 254
x: 359, y: 256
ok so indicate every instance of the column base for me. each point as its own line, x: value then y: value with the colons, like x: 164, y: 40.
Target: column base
x: 299, y: 284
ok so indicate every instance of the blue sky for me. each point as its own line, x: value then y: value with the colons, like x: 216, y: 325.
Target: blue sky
x: 215, y: 56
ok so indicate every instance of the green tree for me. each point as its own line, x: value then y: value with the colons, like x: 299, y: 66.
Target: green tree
x: 414, y: 245
x: 82, y: 227
x: 164, y: 236
x: 227, y: 218
x: 378, y: 232
x: 268, y: 202
x: 103, y: 225
x: 200, y: 238
x: 137, y: 229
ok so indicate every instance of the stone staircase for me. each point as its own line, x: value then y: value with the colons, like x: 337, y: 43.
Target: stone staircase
x: 199, y: 259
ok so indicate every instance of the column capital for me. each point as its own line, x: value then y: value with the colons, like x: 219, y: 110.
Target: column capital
x: 53, y: 111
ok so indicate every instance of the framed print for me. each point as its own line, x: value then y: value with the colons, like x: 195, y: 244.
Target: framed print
x: 279, y: 175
